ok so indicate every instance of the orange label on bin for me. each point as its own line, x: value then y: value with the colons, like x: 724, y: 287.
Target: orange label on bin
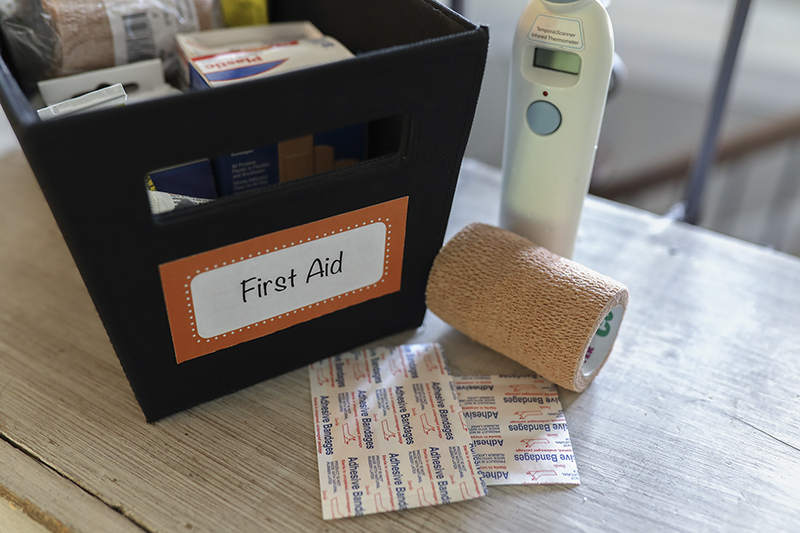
x: 253, y: 288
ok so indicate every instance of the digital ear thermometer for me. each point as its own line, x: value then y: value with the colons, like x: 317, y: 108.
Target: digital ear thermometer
x: 562, y: 58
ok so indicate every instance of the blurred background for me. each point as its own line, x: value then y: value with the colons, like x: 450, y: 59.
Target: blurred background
x: 655, y: 123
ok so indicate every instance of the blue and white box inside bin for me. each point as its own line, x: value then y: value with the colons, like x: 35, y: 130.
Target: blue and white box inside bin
x: 192, y: 179
x: 217, y: 58
x: 246, y: 170
x: 289, y: 160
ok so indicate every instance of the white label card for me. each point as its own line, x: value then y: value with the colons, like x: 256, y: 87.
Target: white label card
x: 264, y: 287
x: 557, y: 31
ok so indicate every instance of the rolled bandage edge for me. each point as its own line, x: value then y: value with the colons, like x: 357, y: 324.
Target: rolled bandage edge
x: 533, y: 306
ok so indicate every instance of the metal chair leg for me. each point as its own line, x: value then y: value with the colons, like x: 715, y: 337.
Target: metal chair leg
x: 688, y: 210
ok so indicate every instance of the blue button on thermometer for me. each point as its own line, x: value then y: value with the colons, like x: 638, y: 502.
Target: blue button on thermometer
x: 543, y: 117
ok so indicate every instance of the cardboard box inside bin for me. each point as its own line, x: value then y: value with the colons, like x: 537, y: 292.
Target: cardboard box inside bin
x: 415, y: 80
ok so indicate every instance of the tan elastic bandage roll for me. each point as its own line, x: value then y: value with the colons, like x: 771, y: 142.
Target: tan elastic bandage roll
x: 84, y: 33
x: 552, y: 315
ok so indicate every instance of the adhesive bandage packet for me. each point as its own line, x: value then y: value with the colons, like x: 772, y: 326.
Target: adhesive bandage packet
x: 518, y: 429
x: 221, y: 57
x: 390, y: 434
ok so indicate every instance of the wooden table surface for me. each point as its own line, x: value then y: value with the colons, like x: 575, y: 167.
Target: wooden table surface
x: 691, y: 426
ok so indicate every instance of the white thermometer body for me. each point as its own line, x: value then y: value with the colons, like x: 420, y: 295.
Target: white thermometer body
x: 562, y: 58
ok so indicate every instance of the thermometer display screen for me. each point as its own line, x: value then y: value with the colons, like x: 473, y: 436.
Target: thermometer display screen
x: 557, y: 60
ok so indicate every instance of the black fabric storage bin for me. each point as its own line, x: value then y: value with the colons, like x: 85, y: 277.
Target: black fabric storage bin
x: 415, y: 78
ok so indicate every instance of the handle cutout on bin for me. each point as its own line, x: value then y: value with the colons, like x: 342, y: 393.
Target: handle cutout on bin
x: 199, y: 182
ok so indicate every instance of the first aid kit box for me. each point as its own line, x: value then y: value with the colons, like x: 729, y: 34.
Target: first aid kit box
x: 203, y: 301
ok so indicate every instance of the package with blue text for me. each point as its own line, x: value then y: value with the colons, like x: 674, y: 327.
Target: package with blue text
x: 518, y: 429
x: 215, y: 58
x: 390, y: 432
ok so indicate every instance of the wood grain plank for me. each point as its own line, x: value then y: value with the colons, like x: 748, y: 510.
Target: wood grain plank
x: 690, y: 426
x: 34, y: 498
x: 14, y: 519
